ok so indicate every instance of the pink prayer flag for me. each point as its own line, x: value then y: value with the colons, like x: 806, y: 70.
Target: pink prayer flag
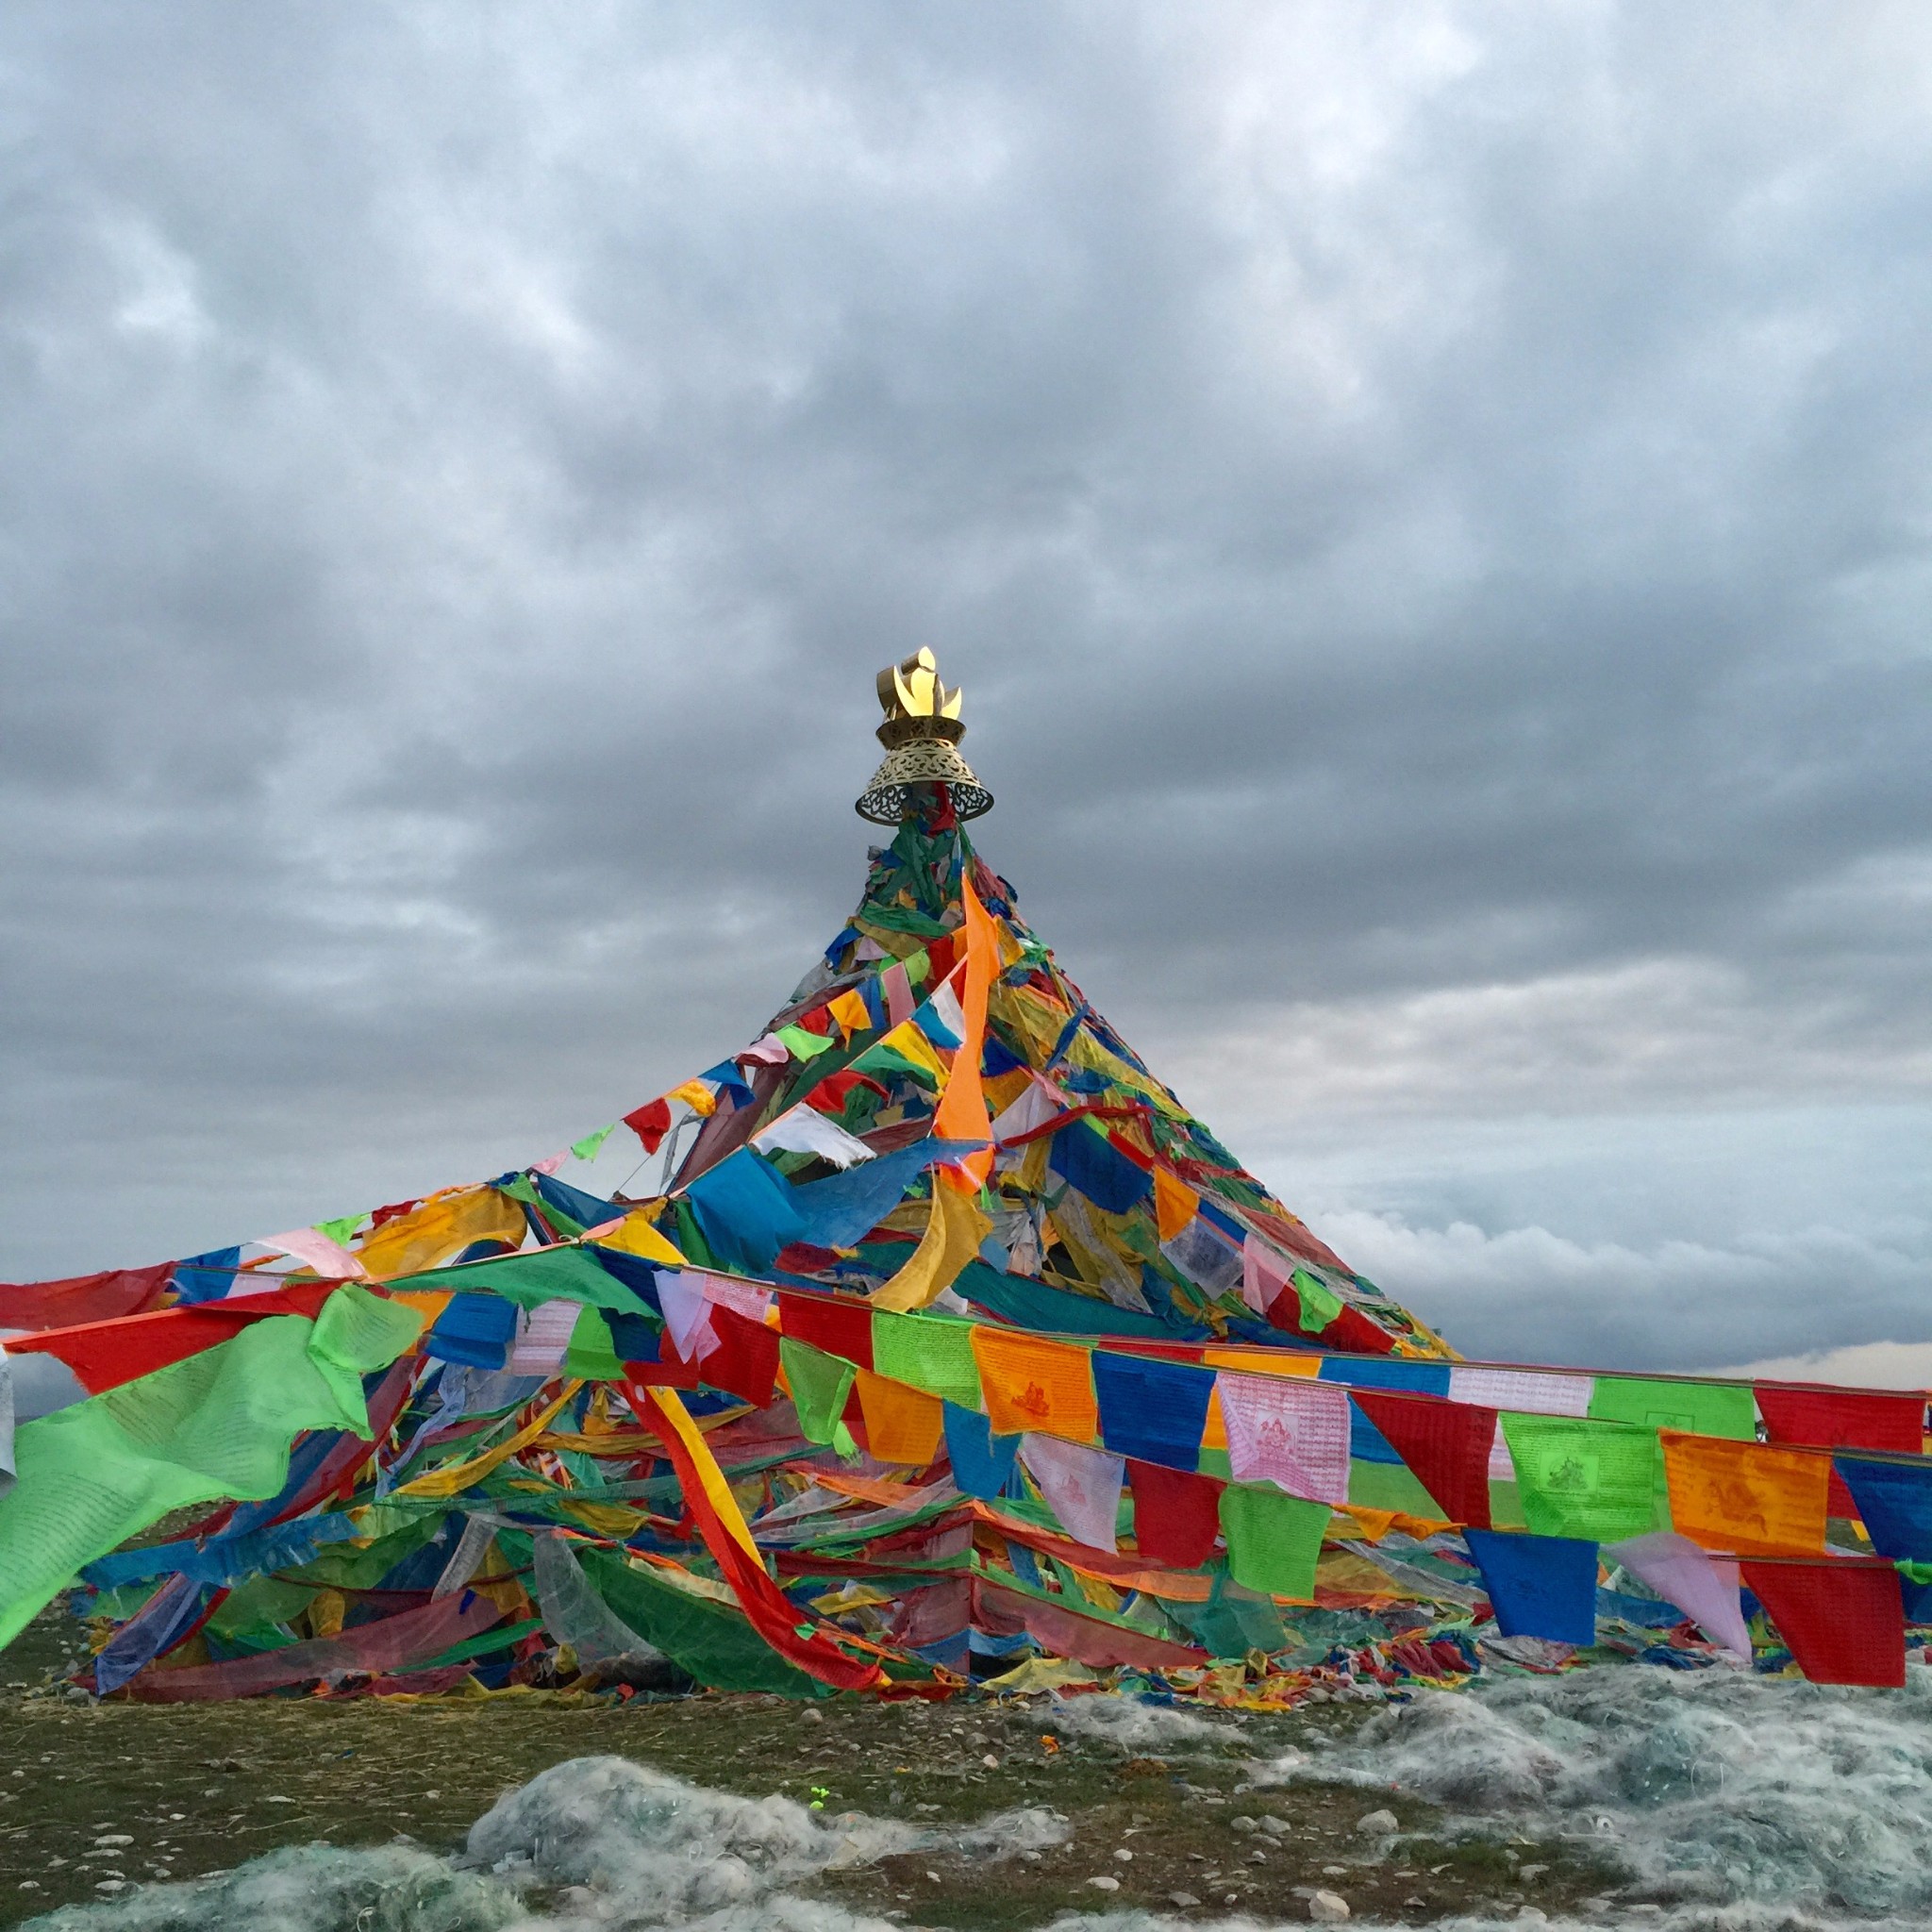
x: 1264, y: 1273
x: 1082, y: 1486
x: 897, y: 988
x: 740, y: 1297
x: 1290, y: 1431
x: 687, y: 1314
x: 1703, y: 1587
x: 768, y: 1052
x: 550, y: 1163
x: 314, y: 1249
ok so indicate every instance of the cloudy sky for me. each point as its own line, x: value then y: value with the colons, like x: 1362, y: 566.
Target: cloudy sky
x: 1429, y: 504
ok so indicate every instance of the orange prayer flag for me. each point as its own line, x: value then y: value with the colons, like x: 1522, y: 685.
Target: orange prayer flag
x: 849, y: 1011
x: 961, y: 1113
x: 1028, y: 1383
x: 1746, y: 1497
x: 1175, y: 1204
x: 901, y: 1425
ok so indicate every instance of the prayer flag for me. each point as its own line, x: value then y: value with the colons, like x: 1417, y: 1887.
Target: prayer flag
x: 1445, y: 1444
x: 650, y: 1124
x: 901, y: 1425
x: 1703, y: 1409
x: 982, y: 1461
x: 1842, y: 1620
x: 1538, y: 1586
x: 1273, y: 1541
x: 837, y: 1326
x: 1746, y: 1497
x: 1030, y: 1384
x: 1152, y: 1410
x: 1894, y: 1503
x: 592, y: 1144
x: 1082, y: 1486
x: 820, y: 1383
x: 1177, y: 1514
x: 1703, y: 1587
x: 1292, y: 1432
x: 1175, y: 1204
x: 929, y: 1352
x: 1594, y: 1482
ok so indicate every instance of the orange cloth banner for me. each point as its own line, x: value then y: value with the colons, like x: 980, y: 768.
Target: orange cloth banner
x: 961, y: 1113
x: 1030, y: 1384
x: 1175, y: 1204
x: 901, y: 1425
x: 1746, y: 1497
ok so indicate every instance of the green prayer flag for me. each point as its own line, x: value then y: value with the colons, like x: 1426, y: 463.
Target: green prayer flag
x: 540, y: 1274
x: 590, y: 1356
x: 1596, y: 1481
x: 592, y: 1144
x: 820, y: 1383
x: 803, y: 1045
x: 1705, y: 1408
x: 216, y: 1425
x: 929, y: 1352
x: 341, y: 1229
x: 1274, y: 1540
x: 1320, y: 1303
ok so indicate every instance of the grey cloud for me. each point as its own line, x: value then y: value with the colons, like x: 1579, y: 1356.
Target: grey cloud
x: 1421, y: 502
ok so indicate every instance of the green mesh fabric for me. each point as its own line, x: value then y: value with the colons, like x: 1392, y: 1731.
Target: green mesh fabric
x: 711, y: 1640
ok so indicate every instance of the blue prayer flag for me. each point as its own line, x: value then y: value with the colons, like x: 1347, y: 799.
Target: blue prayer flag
x: 1538, y: 1586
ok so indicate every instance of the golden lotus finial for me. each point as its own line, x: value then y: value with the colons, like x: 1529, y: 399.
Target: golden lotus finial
x: 916, y: 703
x: 920, y: 733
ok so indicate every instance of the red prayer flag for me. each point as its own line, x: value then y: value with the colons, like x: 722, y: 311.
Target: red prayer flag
x: 103, y: 1354
x: 745, y: 1361
x: 831, y: 1093
x: 650, y: 1124
x: 1177, y: 1514
x: 836, y: 1327
x: 1845, y: 1419
x: 1842, y: 1620
x: 1445, y: 1444
x: 77, y: 1298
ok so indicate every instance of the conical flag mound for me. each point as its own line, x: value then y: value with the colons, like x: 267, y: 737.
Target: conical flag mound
x: 949, y: 1345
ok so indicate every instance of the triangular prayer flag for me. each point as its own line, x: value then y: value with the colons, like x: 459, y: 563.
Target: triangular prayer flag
x: 593, y: 1144
x: 1841, y: 1619
x: 982, y: 1461
x: 1175, y: 1204
x: 1446, y: 1445
x: 1894, y: 1501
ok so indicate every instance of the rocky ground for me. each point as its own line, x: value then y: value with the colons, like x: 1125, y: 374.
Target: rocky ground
x: 97, y: 1798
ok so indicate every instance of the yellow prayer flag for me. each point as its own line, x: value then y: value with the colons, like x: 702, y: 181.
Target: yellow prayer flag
x: 954, y: 1229
x: 442, y: 1227
x: 1175, y: 1204
x: 639, y: 1236
x: 697, y: 1096
x: 849, y: 1011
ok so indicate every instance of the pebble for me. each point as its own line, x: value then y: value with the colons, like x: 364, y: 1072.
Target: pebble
x: 1378, y: 1823
x: 1125, y: 1857
x: 1276, y: 1827
x: 1328, y: 1908
x: 1333, y: 1871
x: 1106, y: 1882
x: 1532, y: 1871
x: 1182, y: 1901
x: 990, y: 1762
x: 1243, y: 1822
x: 114, y: 1838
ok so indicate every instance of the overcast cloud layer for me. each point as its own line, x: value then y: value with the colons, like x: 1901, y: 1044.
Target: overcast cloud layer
x: 1429, y: 504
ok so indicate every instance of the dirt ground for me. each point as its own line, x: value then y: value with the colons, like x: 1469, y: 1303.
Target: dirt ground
x: 97, y: 1797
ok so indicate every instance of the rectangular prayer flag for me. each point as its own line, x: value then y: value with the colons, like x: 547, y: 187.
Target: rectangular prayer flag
x: 901, y: 1425
x: 1746, y: 1497
x: 1031, y: 1385
x: 928, y: 1351
x: 1082, y: 1486
x: 1177, y: 1515
x: 1152, y: 1410
x: 1894, y: 1501
x: 1842, y: 1620
x: 1538, y: 1586
x: 1592, y: 1482
x: 1274, y: 1540
x: 1446, y: 1445
x: 1704, y: 1408
x: 1290, y: 1431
